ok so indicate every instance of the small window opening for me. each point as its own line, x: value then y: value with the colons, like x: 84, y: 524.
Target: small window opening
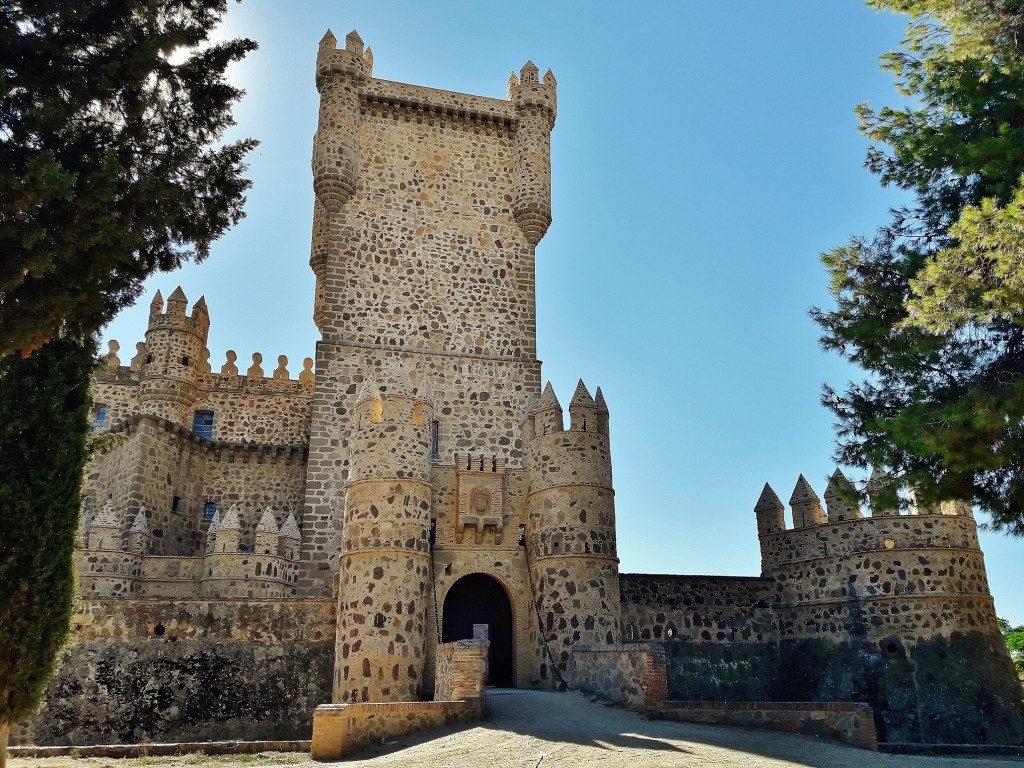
x: 378, y: 621
x: 522, y: 536
x: 433, y: 532
x: 99, y: 416
x: 435, y: 440
x: 186, y: 360
x: 158, y: 630
x: 175, y: 503
x: 149, y: 358
x: 209, y: 510
x: 202, y: 424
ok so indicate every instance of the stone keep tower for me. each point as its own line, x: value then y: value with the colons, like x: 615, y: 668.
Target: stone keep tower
x: 429, y: 205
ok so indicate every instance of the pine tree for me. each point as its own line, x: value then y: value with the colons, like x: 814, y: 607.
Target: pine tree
x: 111, y: 168
x: 942, y: 407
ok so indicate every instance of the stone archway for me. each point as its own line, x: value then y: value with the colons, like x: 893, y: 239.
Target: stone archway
x: 478, y: 599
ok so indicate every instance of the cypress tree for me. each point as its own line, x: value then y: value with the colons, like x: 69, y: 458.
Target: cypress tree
x: 44, y: 410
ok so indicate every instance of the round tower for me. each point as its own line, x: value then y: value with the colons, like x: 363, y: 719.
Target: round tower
x: 340, y: 74
x: 536, y: 106
x: 170, y: 371
x: 570, y: 532
x: 384, y: 569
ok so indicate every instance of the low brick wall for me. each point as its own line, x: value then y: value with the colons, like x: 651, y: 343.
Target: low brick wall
x: 852, y: 723
x: 340, y: 729
x: 461, y: 671
x: 631, y: 674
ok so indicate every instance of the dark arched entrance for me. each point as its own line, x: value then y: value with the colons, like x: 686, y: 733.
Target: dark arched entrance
x: 479, y: 599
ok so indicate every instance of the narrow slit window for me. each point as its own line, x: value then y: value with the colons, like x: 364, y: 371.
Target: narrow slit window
x: 435, y: 440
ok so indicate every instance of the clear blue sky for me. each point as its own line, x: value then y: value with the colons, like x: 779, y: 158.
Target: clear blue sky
x: 704, y: 155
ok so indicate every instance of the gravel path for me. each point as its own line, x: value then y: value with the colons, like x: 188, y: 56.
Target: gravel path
x: 532, y: 729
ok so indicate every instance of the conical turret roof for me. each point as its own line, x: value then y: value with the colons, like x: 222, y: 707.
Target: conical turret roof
x: 602, y: 406
x: 140, y: 524
x: 803, y: 492
x: 768, y: 500
x: 231, y: 521
x: 267, y: 523
x: 369, y: 390
x: 107, y: 517
x: 290, y: 529
x: 547, y: 400
x: 581, y: 397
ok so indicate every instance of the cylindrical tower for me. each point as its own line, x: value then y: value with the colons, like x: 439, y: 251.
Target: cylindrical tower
x: 385, y: 558
x: 570, y: 534
x: 170, y: 371
x: 340, y: 73
x: 536, y: 106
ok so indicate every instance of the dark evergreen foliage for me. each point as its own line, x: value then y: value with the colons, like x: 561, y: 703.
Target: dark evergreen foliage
x: 942, y: 411
x: 44, y: 410
x: 109, y: 167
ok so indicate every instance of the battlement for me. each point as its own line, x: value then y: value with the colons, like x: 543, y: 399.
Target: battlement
x: 529, y: 91
x: 839, y: 571
x: 586, y: 413
x: 113, y: 564
x: 175, y: 317
x: 351, y: 61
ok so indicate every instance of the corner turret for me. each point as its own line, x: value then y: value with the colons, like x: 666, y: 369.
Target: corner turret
x: 138, y: 534
x: 267, y: 536
x: 582, y: 410
x: 174, y: 354
x: 340, y: 73
x: 535, y: 102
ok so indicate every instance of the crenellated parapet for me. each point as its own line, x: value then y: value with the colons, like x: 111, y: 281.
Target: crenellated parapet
x: 113, y: 564
x: 839, y: 571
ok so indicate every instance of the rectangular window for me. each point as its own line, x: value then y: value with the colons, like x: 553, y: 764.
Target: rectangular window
x: 435, y: 440
x: 202, y: 424
x: 99, y: 416
x: 209, y: 510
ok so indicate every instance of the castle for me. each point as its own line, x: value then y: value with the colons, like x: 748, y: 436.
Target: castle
x: 259, y: 543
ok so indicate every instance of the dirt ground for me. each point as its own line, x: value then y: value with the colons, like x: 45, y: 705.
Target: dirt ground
x: 530, y: 729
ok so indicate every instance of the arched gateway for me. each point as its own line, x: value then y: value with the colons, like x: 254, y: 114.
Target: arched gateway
x: 478, y: 600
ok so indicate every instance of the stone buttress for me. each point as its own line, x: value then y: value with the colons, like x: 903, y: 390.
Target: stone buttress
x: 384, y: 571
x: 570, y: 529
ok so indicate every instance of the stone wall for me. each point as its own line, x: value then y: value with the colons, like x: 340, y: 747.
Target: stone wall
x: 632, y: 675
x: 189, y: 670
x: 851, y: 723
